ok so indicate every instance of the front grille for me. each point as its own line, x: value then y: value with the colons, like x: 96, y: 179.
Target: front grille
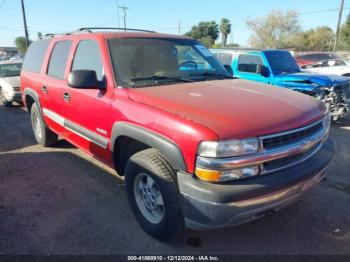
x: 291, y: 137
x: 289, y: 161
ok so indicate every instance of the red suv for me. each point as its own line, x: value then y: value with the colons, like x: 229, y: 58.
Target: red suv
x: 197, y: 147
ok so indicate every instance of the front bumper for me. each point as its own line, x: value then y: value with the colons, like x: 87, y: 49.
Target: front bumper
x: 208, y: 205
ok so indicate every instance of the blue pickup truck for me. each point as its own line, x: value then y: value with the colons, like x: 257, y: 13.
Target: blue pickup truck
x: 279, y: 68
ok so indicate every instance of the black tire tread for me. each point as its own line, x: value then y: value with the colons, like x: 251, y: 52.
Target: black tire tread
x: 49, y: 137
x: 155, y: 163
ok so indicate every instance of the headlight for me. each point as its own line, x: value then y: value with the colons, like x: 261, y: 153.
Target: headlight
x: 227, y: 175
x: 229, y: 148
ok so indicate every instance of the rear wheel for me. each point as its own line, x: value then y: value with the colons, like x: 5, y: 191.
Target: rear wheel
x: 153, y: 194
x: 43, y: 135
x: 3, y: 98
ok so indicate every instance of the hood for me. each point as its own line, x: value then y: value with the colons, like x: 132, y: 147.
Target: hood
x: 12, y: 81
x: 234, y: 108
x: 308, y: 80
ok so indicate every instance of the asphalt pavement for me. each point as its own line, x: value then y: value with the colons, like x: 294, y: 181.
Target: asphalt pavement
x: 59, y: 201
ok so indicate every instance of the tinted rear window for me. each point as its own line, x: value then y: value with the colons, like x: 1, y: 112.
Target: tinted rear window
x: 35, y: 55
x: 224, y: 58
x: 58, y: 59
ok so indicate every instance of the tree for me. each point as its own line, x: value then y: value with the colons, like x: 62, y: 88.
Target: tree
x: 275, y: 30
x: 320, y: 39
x: 40, y: 35
x: 205, y: 32
x: 21, y: 44
x: 345, y: 34
x: 225, y: 29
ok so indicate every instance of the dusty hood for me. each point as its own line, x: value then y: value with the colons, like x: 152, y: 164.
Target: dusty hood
x: 12, y: 81
x: 234, y: 108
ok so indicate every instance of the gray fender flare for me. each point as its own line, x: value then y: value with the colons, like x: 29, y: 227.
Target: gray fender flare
x: 165, y: 146
x: 30, y: 92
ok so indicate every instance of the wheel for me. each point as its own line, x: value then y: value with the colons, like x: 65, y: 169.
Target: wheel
x: 153, y: 194
x: 3, y: 98
x: 43, y: 135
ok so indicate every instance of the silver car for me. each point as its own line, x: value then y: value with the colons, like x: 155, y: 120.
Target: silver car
x: 9, y: 82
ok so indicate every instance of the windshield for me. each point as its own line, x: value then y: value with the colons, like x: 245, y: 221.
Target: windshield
x: 8, y: 70
x: 150, y: 61
x: 282, y: 62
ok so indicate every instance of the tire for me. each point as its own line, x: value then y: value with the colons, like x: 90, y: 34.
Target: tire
x: 4, y: 100
x: 44, y: 136
x: 165, y: 221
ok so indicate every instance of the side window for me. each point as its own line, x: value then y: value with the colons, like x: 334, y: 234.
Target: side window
x: 88, y: 57
x: 35, y: 55
x: 58, y: 59
x: 224, y: 58
x: 249, y: 63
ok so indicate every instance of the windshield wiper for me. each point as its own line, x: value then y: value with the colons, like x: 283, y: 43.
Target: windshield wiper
x: 160, y: 78
x: 208, y: 74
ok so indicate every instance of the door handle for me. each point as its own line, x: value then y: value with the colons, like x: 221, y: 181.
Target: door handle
x: 66, y: 97
x: 44, y: 89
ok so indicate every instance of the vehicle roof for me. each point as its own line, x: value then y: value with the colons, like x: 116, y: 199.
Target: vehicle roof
x: 250, y: 49
x: 108, y: 35
x: 8, y: 62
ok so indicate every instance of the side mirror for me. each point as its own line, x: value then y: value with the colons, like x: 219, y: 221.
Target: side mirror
x: 262, y: 70
x: 85, y: 79
x: 229, y: 69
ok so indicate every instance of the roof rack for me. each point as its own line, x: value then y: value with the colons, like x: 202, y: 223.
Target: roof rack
x: 89, y: 29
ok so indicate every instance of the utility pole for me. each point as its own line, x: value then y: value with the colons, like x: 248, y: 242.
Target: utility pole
x: 338, y: 25
x: 25, y: 24
x: 124, y: 8
x: 118, y: 13
x: 179, y: 30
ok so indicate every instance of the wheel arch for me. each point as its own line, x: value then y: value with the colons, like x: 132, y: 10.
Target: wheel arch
x: 128, y: 139
x: 31, y: 97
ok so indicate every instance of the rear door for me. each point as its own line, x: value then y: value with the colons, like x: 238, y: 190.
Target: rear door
x: 52, y: 85
x: 87, y: 111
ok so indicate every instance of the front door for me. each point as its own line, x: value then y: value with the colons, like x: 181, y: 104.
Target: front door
x: 247, y: 67
x: 87, y: 111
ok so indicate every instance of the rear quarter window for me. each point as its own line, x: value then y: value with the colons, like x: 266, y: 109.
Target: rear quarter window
x: 35, y: 55
x: 224, y: 58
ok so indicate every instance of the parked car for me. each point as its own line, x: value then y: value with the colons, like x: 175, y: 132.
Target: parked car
x: 9, y: 82
x: 334, y: 67
x: 312, y: 58
x: 196, y: 147
x: 279, y: 68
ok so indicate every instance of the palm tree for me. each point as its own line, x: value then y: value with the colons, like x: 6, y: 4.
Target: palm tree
x: 225, y: 29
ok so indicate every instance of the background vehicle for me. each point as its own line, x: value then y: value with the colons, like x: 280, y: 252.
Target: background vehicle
x: 278, y: 67
x: 334, y: 67
x: 196, y: 147
x: 9, y: 82
x: 313, y: 58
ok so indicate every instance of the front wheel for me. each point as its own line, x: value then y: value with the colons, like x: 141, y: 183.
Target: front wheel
x: 43, y: 135
x: 153, y: 194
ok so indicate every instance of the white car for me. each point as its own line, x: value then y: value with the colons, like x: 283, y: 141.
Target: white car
x: 9, y: 82
x: 332, y: 66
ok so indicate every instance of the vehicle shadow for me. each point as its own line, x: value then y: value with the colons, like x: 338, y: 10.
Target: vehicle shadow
x: 61, y: 203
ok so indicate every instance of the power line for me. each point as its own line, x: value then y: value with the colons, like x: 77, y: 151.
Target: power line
x: 322, y: 11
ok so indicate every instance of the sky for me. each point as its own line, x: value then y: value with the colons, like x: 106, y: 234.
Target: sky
x: 57, y: 16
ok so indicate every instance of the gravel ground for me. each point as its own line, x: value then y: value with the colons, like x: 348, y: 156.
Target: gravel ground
x: 59, y: 201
